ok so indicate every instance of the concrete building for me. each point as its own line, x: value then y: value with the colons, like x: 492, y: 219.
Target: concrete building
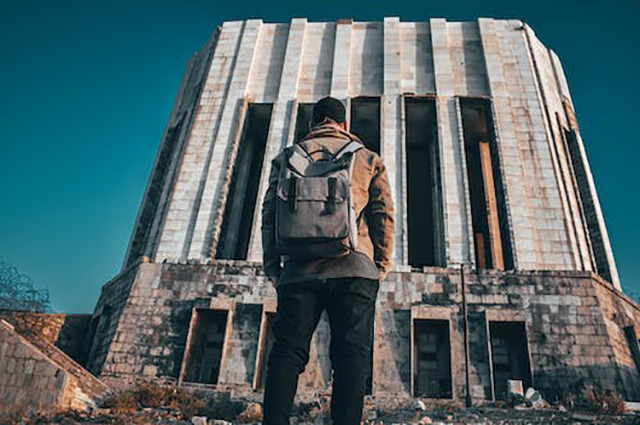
x: 503, y: 267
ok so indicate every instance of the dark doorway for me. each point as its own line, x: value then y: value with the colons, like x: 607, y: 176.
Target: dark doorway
x: 207, y: 344
x: 422, y: 167
x: 240, y: 206
x: 365, y: 121
x: 488, y: 207
x: 303, y: 120
x: 432, y: 359
x: 509, y: 355
x: 265, y: 350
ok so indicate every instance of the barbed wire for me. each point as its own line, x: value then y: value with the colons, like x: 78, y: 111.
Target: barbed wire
x: 17, y: 291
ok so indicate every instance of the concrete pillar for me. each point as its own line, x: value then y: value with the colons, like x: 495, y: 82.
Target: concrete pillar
x: 457, y: 217
x: 204, y: 227
x: 282, y: 120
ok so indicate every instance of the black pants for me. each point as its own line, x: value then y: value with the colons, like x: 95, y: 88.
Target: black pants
x: 350, y: 305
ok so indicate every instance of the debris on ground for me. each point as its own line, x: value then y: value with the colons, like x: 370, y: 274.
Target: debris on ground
x: 154, y: 405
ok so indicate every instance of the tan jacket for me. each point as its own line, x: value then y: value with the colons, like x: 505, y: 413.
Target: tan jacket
x: 370, y: 194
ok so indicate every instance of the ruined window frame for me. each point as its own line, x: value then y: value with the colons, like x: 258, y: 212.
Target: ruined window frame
x: 216, y: 305
x: 501, y: 193
x: 428, y: 312
x: 437, y: 175
x: 511, y: 316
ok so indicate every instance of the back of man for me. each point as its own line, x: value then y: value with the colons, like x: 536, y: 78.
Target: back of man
x: 345, y: 286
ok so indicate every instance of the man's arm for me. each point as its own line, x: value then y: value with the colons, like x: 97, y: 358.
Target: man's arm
x: 379, y: 213
x: 270, y: 257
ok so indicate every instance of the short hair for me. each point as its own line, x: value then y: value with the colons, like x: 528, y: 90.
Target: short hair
x: 331, y: 108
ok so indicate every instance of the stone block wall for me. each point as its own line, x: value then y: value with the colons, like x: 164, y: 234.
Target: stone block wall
x: 35, y: 380
x: 66, y: 331
x: 572, y: 340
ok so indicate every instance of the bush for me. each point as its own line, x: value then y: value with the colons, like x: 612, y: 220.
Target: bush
x: 603, y: 401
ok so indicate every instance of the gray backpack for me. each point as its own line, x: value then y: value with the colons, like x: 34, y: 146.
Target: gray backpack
x: 315, y: 217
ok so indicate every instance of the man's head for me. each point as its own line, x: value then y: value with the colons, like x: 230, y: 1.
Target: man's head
x: 329, y: 109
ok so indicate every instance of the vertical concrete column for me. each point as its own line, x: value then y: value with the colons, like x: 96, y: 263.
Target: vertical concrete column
x: 392, y: 132
x: 204, y: 225
x: 604, y: 235
x: 341, y: 58
x: 456, y: 208
x: 282, y: 120
x: 563, y: 87
x: 573, y: 237
x: 507, y: 143
x: 195, y: 161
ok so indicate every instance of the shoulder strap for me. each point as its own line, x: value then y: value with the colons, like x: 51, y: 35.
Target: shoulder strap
x: 298, y: 159
x: 349, y: 148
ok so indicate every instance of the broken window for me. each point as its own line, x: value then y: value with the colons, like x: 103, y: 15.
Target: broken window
x: 432, y: 359
x: 423, y: 183
x: 509, y: 355
x: 207, y: 343
x: 303, y: 120
x: 488, y: 206
x: 266, y: 343
x: 243, y: 191
x: 365, y: 121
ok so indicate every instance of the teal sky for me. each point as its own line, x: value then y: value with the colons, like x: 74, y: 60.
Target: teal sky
x: 86, y: 88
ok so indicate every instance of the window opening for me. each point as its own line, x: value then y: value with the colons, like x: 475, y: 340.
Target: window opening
x: 432, y: 359
x: 509, y: 355
x: 243, y: 192
x: 422, y: 168
x: 488, y: 206
x: 207, y: 345
x: 365, y: 121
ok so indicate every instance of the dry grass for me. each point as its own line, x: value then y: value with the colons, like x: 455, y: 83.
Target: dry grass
x: 152, y: 395
x: 603, y: 401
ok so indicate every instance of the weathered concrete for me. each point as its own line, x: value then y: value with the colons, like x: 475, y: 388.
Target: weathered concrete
x: 553, y: 215
x: 574, y: 326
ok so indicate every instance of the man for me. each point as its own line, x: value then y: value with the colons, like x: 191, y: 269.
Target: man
x: 345, y: 285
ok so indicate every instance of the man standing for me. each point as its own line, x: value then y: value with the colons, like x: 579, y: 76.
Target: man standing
x: 334, y: 270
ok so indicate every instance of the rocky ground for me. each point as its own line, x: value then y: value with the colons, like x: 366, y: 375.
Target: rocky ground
x: 152, y: 404
x: 320, y: 416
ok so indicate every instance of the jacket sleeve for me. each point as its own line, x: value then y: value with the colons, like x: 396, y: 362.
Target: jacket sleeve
x: 270, y: 257
x: 379, y: 214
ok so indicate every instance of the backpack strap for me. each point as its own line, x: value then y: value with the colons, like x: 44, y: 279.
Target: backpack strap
x: 349, y: 148
x: 298, y: 159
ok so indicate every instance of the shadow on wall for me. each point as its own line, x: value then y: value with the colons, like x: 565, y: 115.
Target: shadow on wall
x: 65, y: 331
x: 557, y: 384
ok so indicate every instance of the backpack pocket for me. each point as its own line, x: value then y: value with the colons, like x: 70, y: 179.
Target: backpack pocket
x: 313, y: 216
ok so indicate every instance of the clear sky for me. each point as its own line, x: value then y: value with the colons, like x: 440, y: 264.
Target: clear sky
x: 86, y: 88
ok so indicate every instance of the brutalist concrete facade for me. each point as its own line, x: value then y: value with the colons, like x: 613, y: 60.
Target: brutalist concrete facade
x: 548, y: 273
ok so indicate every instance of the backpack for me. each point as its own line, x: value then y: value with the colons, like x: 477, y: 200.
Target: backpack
x: 315, y: 216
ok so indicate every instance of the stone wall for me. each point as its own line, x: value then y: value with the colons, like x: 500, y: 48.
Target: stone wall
x: 33, y: 379
x: 572, y: 340
x: 66, y: 331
